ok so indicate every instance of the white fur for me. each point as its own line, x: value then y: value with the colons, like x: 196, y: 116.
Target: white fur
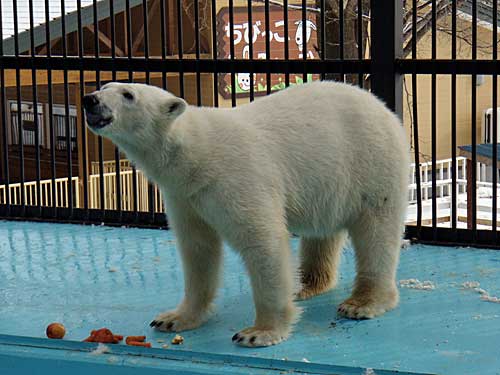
x: 319, y: 160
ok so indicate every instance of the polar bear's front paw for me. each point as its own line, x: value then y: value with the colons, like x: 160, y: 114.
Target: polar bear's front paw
x: 356, y: 308
x: 175, y: 321
x: 254, y: 337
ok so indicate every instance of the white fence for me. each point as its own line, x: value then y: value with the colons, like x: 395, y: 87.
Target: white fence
x: 443, y: 178
x: 94, y: 182
x: 126, y: 189
x: 109, y: 166
x: 31, y: 197
x: 443, y: 192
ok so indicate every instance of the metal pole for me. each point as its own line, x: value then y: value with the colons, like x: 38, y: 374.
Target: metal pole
x: 386, y: 80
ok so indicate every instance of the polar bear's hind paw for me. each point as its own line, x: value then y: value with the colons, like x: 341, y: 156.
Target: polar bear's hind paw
x: 353, y: 308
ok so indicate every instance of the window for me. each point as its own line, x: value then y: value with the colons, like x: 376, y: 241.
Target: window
x: 59, y: 121
x: 28, y: 124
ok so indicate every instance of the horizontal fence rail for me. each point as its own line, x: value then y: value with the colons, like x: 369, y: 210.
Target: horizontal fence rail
x: 432, y: 62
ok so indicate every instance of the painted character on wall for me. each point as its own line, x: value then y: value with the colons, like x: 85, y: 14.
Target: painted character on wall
x: 310, y: 26
x: 244, y: 78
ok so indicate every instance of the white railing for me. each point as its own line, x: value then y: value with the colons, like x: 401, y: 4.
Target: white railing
x: 127, y: 192
x: 31, y: 197
x: 443, y: 178
x: 443, y: 192
x: 109, y: 166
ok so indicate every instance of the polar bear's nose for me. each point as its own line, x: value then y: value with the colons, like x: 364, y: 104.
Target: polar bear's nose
x: 90, y: 101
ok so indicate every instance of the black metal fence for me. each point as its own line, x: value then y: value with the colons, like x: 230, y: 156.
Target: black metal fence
x: 224, y: 53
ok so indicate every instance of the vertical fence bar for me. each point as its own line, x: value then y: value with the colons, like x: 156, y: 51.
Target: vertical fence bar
x: 82, y: 118
x: 287, y: 46
x: 494, y: 166
x: 118, y: 190
x: 128, y: 42
x: 250, y: 48
x: 102, y: 202
x: 19, y: 109
x: 197, y: 51
x: 415, y: 119
x: 341, y: 37
x: 214, y: 52
x: 433, y: 121
x: 180, y: 47
x: 3, y: 109
x: 268, y: 44
x: 231, y: 51
x: 35, y: 109
x: 322, y: 37
x: 146, y: 35
x: 51, y: 113
x: 151, y: 196
x: 386, y: 48
x: 360, y: 38
x: 163, y: 22
x: 454, y: 122
x: 135, y: 191
x: 66, y: 111
x: 304, y: 37
x: 473, y: 121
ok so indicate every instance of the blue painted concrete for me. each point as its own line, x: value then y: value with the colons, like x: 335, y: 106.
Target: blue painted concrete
x: 28, y: 355
x: 90, y: 277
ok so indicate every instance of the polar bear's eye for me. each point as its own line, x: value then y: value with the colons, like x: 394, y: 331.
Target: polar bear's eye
x: 128, y: 95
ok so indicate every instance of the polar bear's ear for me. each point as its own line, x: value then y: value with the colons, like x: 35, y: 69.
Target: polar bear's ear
x: 174, y: 107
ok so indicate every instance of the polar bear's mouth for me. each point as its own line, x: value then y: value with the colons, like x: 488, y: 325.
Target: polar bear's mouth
x: 97, y: 121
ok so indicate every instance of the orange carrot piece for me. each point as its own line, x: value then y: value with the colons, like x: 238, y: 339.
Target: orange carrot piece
x: 138, y: 343
x: 135, y: 338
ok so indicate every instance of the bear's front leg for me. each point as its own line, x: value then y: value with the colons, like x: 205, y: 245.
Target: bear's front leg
x: 267, y: 258
x: 201, y: 253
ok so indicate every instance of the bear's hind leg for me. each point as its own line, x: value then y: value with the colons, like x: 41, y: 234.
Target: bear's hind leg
x: 377, y: 241
x: 319, y: 263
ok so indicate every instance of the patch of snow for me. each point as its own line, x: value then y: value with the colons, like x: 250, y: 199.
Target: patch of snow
x: 101, y: 349
x: 417, y: 284
x: 113, y: 359
x: 485, y: 296
x: 471, y: 284
x: 480, y: 291
x: 488, y: 298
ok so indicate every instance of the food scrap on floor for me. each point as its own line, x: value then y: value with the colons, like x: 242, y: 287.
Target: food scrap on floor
x: 177, y: 340
x: 103, y: 335
x: 55, y: 331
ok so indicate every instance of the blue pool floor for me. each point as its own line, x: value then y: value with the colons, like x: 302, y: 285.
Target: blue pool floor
x: 89, y: 277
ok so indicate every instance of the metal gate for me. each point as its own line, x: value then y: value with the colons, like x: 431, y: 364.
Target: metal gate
x: 223, y: 53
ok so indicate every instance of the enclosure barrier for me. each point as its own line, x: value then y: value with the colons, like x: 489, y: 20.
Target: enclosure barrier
x: 225, y: 53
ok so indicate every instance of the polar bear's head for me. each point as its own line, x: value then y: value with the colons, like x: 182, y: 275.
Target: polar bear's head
x: 123, y: 111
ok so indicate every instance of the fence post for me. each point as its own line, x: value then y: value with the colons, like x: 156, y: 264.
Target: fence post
x: 386, y: 33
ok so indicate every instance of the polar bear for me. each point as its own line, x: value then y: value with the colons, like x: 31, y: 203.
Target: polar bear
x: 321, y: 160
